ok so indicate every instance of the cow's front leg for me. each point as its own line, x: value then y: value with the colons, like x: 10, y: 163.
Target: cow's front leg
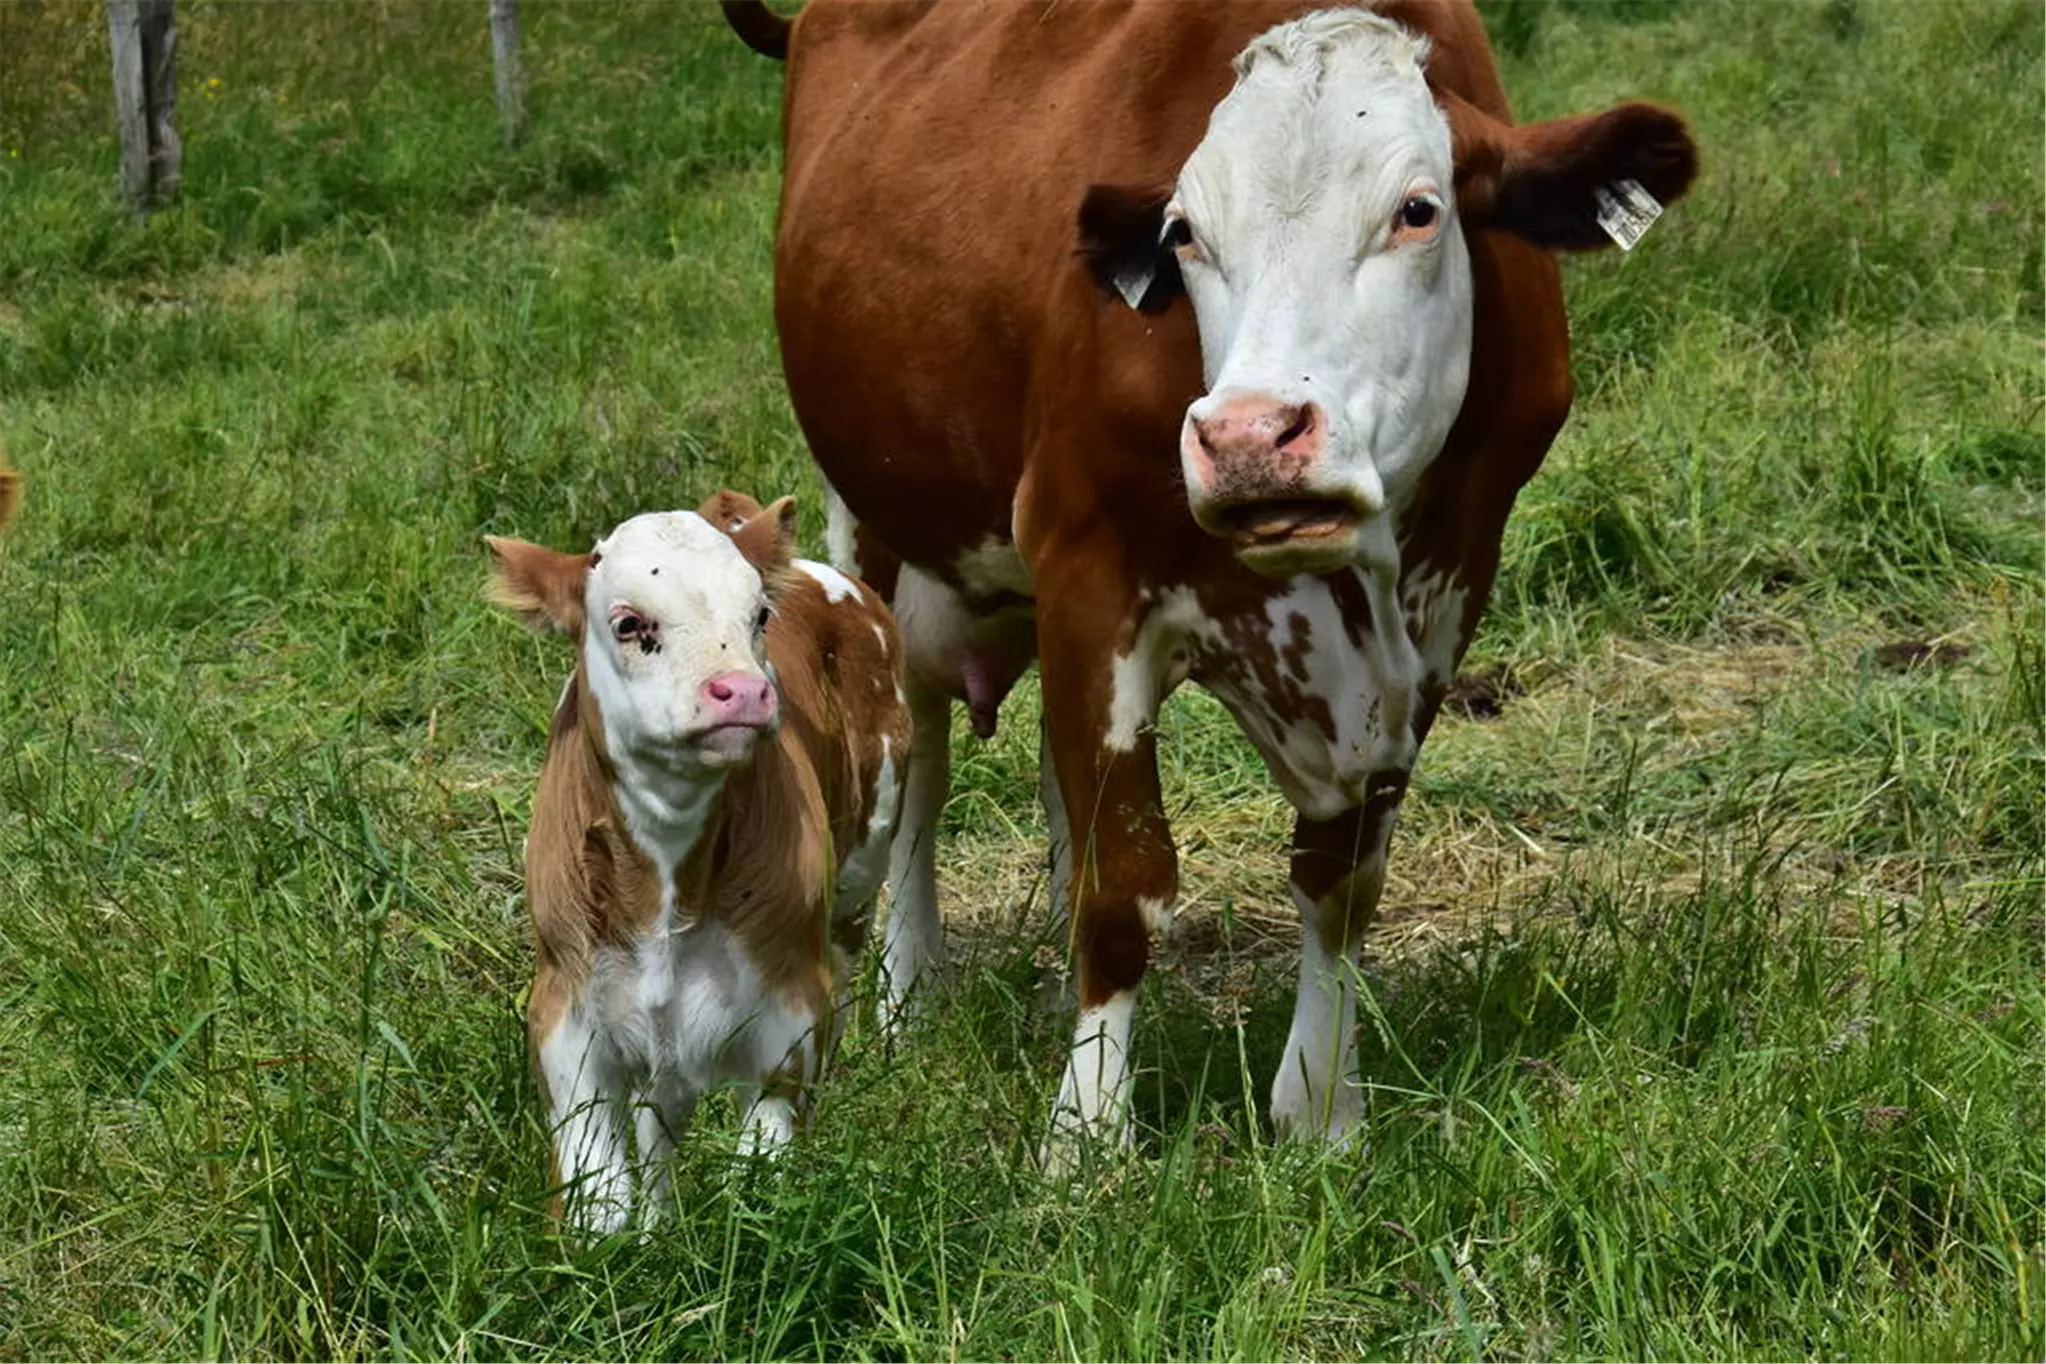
x: 1337, y: 874
x: 1101, y: 708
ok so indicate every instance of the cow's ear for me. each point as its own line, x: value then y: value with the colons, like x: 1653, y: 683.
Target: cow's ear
x: 1121, y: 239
x: 728, y: 510
x: 768, y: 540
x: 1547, y: 183
x: 542, y: 587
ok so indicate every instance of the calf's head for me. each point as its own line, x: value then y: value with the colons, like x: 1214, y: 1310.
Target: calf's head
x: 669, y: 613
x: 1318, y: 230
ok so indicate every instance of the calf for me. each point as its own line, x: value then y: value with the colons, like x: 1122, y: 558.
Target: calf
x: 721, y: 782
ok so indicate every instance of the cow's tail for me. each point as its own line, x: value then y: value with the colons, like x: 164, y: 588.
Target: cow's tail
x: 759, y: 27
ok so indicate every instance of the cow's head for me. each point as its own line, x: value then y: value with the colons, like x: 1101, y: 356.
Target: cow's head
x: 670, y: 614
x: 1319, y: 232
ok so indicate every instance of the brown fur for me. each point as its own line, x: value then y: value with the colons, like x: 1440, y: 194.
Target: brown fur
x: 10, y: 495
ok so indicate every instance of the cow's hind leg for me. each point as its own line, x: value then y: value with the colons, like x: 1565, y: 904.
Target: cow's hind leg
x: 1337, y: 874
x: 915, y: 937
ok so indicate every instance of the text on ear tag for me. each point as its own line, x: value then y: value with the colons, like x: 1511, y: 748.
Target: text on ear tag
x: 1626, y: 212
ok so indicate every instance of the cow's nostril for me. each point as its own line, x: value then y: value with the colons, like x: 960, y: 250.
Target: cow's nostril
x: 1301, y: 425
x: 720, y: 690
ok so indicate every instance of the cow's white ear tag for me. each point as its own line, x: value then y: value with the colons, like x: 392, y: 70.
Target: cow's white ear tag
x: 1134, y: 283
x: 1626, y: 211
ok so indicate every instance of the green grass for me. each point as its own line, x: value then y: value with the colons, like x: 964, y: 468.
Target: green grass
x: 1706, y: 1016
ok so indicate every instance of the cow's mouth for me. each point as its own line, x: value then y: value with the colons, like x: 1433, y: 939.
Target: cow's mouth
x: 1258, y: 524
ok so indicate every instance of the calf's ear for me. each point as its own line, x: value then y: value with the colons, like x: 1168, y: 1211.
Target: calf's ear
x: 542, y: 587
x: 1121, y: 241
x: 728, y: 510
x: 10, y: 494
x: 1546, y: 182
x: 768, y: 538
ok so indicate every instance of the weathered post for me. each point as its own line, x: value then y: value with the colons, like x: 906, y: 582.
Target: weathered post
x: 145, y: 41
x: 511, y: 80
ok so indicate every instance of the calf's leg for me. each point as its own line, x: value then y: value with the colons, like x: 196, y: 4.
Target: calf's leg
x: 583, y: 1087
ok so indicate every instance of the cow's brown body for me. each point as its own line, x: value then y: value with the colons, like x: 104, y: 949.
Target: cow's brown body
x: 996, y: 423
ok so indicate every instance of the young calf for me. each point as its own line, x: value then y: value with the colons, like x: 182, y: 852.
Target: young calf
x: 712, y: 824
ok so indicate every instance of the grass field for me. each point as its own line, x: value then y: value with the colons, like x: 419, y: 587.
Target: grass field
x: 1705, y: 1019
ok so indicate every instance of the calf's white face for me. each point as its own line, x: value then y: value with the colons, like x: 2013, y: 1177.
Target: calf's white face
x: 1316, y: 234
x: 676, y: 645
x: 670, y: 613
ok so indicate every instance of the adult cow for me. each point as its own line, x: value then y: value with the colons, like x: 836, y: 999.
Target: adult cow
x: 1163, y: 340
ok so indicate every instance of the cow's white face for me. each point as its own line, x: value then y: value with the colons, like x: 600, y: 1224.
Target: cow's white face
x: 675, y: 644
x: 1316, y: 234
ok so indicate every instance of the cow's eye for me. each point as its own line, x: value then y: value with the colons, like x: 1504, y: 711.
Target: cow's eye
x: 628, y: 625
x: 760, y: 621
x: 1178, y: 235
x: 1418, y: 214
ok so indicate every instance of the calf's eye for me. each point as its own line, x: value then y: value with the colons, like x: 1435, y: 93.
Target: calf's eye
x: 1418, y: 214
x: 629, y: 627
x: 760, y: 621
x: 1178, y: 233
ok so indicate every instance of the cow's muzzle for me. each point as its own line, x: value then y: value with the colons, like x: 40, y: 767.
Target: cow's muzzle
x: 1256, y: 478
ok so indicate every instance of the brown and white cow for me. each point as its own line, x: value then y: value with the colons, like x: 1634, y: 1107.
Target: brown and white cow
x: 1161, y: 340
x: 721, y: 782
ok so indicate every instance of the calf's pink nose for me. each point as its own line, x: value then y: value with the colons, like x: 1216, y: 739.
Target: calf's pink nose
x: 739, y: 698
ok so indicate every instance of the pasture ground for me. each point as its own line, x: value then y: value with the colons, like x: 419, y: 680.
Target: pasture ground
x: 1706, y: 1016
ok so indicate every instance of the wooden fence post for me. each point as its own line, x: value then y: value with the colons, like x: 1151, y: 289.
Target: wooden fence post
x: 511, y: 79
x: 145, y: 41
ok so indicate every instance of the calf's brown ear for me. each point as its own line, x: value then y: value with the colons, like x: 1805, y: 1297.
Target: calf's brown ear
x: 768, y: 538
x: 1121, y: 241
x: 1542, y: 181
x: 542, y: 587
x: 728, y: 510
x: 10, y: 494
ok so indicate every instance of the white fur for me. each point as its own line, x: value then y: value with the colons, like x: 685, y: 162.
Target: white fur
x: 914, y: 937
x: 1316, y: 1091
x: 837, y: 587
x: 859, y: 877
x: 994, y: 565
x: 665, y: 1020
x: 839, y: 527
x: 1094, y: 1097
x: 1155, y: 663
x: 1298, y: 288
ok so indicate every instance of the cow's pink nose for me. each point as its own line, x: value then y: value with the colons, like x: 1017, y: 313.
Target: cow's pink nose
x: 1261, y: 430
x: 739, y: 699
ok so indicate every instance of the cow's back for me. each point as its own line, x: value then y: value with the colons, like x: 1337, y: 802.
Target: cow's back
x: 937, y: 155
